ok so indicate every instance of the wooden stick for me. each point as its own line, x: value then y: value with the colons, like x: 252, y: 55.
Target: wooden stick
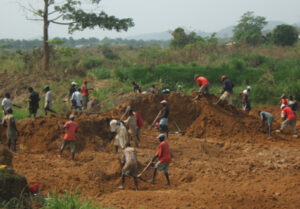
x: 156, y: 118
x: 148, y: 165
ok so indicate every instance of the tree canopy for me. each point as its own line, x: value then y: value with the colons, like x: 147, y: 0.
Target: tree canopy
x: 77, y: 15
x: 249, y: 29
x: 285, y: 35
x: 180, y: 38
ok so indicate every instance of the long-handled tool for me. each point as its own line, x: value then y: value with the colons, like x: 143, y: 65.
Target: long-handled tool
x: 147, y: 166
x: 179, y: 130
x: 156, y: 118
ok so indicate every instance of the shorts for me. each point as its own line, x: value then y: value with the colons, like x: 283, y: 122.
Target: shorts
x: 161, y: 166
x: 270, y: 121
x: 85, y: 100
x: 129, y: 172
x: 70, y: 142
x: 227, y: 96
x: 163, y: 122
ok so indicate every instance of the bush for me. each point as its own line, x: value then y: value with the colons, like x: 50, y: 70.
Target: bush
x: 285, y: 35
x: 101, y: 73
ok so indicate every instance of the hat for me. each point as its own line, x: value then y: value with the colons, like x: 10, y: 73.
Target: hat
x: 71, y: 117
x: 223, y: 77
x: 282, y: 106
x: 249, y: 88
x: 161, y: 136
x: 283, y: 95
x: 84, y: 81
x: 163, y: 102
x: 74, y: 83
x: 46, y: 87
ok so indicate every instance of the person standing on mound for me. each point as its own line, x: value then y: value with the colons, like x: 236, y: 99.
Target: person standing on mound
x: 71, y: 128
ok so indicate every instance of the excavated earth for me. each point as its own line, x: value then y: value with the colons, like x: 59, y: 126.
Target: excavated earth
x: 223, y: 160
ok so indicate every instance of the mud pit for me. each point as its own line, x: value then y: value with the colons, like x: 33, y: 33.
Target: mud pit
x: 223, y: 161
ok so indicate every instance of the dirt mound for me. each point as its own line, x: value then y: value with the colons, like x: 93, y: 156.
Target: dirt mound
x: 224, y: 121
x: 44, y: 134
x: 183, y: 111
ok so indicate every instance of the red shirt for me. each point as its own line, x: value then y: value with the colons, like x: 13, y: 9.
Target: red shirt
x: 284, y: 101
x: 139, y: 120
x: 202, y: 81
x: 163, y: 152
x: 71, y: 128
x: 84, y: 91
x: 288, y: 113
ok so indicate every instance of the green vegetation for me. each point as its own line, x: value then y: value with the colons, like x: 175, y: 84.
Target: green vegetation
x: 249, y: 29
x: 285, y: 35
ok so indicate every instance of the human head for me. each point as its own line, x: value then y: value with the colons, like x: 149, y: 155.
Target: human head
x: 7, y: 95
x: 79, y: 89
x: 153, y: 86
x: 223, y: 77
x: 259, y: 112
x: 85, y: 81
x: 30, y: 89
x: 46, y: 88
x: 249, y: 88
x: 283, y: 96
x: 291, y: 98
x: 133, y: 83
x: 71, y: 117
x: 130, y: 112
x: 282, y: 106
x: 161, y: 137
x: 73, y: 83
x: 127, y: 144
x: 196, y: 76
x: 9, y: 111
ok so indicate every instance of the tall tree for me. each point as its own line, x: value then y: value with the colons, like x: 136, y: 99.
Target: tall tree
x: 285, y: 35
x: 76, y: 15
x: 249, y: 29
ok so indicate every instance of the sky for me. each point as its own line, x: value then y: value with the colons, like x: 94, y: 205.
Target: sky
x: 151, y: 16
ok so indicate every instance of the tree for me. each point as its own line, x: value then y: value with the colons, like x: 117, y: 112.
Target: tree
x: 72, y: 14
x: 285, y: 35
x: 180, y: 38
x: 249, y: 29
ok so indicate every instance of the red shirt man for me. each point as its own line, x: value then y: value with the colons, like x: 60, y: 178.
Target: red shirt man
x: 164, y: 159
x: 201, y: 81
x: 288, y: 113
x: 69, y: 138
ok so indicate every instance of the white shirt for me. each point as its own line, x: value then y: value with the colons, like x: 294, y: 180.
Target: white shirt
x: 245, y: 92
x: 77, y: 97
x: 6, y: 104
x: 48, y: 97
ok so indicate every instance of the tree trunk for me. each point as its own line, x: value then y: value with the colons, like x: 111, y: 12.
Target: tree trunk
x: 45, y: 34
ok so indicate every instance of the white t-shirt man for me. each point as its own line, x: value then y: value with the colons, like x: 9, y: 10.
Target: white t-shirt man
x: 48, y: 99
x: 6, y: 104
x: 77, y: 97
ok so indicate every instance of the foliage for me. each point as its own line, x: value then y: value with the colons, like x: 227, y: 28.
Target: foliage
x: 285, y: 35
x: 69, y: 200
x: 249, y: 29
x: 180, y: 38
x: 101, y: 73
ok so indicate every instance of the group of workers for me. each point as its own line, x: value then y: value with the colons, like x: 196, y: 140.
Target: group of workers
x: 124, y: 131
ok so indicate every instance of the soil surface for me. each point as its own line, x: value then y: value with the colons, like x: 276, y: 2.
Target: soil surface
x: 224, y: 160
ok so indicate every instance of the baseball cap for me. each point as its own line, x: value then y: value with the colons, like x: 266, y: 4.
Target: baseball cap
x: 161, y: 136
x: 71, y: 117
x: 163, y: 102
x: 74, y: 83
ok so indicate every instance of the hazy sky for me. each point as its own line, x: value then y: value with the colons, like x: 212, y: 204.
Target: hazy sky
x: 154, y: 16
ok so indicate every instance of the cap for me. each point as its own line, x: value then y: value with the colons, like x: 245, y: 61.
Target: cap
x: 249, y: 88
x: 71, y: 116
x: 74, y: 83
x: 282, y: 106
x: 283, y: 95
x: 223, y: 77
x: 46, y: 87
x: 161, y: 136
x: 84, y: 81
x: 163, y: 102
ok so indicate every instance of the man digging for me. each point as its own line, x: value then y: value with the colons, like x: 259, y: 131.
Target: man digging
x: 164, y: 159
x: 129, y: 162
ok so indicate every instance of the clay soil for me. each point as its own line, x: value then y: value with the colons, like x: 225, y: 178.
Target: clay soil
x: 224, y: 160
